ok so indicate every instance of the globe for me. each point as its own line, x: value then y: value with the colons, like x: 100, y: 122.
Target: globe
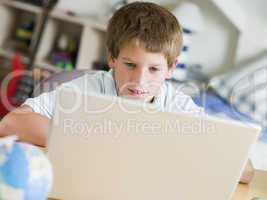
x: 25, y: 172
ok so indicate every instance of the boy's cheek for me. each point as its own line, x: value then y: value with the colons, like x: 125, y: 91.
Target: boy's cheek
x: 155, y: 86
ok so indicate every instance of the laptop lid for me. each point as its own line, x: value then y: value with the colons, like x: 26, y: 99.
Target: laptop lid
x: 106, y: 148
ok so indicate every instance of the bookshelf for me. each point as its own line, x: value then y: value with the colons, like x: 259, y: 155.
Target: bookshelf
x: 89, y: 33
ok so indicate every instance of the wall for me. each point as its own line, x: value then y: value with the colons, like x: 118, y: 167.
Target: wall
x: 253, y: 42
x: 218, y: 47
x: 215, y: 46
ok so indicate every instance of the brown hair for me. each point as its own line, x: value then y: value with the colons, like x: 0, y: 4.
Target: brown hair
x: 146, y: 24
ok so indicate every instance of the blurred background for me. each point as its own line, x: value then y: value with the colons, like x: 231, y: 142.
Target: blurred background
x: 223, y: 64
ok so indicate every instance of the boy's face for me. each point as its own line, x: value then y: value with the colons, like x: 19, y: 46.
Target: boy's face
x: 139, y: 74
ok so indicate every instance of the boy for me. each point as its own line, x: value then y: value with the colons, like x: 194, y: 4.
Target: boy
x: 143, y: 42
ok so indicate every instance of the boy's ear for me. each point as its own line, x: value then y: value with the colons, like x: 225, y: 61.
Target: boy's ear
x: 171, y: 69
x: 110, y: 61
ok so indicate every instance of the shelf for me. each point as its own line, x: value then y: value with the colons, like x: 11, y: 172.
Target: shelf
x: 40, y: 64
x: 94, y: 23
x: 99, y: 24
x: 88, y: 31
x: 47, y: 66
x: 21, y: 6
x: 10, y: 54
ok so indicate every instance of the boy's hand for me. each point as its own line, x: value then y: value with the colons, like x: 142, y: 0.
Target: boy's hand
x: 247, y: 174
x: 28, y: 126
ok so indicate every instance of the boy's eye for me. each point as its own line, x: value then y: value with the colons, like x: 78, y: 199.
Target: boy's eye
x: 154, y: 69
x: 130, y: 65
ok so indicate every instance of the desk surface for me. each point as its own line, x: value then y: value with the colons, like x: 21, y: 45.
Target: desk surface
x: 257, y: 188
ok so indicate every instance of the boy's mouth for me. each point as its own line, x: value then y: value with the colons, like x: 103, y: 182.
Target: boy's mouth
x: 136, y: 92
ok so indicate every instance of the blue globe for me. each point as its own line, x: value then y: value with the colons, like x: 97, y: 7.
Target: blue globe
x: 25, y: 172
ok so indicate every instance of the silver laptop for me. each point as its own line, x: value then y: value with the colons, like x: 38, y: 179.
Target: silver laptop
x: 107, y: 148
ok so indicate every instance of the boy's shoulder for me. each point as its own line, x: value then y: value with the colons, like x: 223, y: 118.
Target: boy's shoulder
x: 175, y: 100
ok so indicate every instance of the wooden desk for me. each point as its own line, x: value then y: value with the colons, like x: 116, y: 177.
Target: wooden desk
x: 257, y: 188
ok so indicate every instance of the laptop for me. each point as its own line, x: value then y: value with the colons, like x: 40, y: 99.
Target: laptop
x: 109, y: 148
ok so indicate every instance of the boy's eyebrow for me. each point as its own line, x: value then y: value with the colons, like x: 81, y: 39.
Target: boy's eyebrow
x: 128, y: 59
x: 153, y: 64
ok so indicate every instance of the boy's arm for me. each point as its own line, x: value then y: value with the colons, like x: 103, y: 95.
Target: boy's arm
x: 27, y: 125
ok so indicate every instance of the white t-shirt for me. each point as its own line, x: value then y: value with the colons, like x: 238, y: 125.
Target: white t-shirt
x: 169, y: 99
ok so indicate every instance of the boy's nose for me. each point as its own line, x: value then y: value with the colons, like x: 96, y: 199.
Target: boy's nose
x: 139, y: 76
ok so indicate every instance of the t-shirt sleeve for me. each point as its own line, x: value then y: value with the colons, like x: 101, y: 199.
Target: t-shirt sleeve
x: 178, y: 101
x: 43, y: 104
x: 186, y: 104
